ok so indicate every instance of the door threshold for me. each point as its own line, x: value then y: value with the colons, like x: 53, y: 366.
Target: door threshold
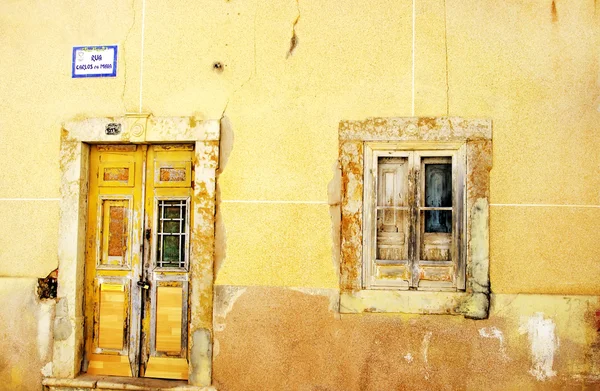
x: 85, y: 382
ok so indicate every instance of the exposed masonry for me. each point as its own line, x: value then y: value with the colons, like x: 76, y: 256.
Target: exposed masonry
x: 476, y: 134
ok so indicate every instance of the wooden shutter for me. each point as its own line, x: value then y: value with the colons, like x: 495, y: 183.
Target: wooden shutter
x: 413, y: 219
x: 388, y: 211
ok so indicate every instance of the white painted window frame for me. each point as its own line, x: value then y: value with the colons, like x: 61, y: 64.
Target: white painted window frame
x: 374, y: 150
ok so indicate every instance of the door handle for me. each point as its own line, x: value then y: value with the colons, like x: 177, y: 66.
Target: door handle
x: 143, y: 284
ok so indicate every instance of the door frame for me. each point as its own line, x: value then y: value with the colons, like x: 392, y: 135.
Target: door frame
x: 76, y: 136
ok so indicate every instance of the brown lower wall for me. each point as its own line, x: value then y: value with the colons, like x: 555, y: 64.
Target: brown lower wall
x: 284, y: 339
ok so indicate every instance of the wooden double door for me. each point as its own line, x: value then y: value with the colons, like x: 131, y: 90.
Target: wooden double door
x: 137, y: 260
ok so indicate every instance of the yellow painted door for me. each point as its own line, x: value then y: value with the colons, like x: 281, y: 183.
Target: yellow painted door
x: 137, y: 260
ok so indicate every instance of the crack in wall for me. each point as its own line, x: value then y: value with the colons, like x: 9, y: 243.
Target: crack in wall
x: 252, y: 73
x: 446, y: 51
x: 124, y: 58
x: 294, y: 38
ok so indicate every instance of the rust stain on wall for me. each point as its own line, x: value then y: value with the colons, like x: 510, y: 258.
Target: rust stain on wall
x: 554, y: 13
x: 479, y: 155
x: 351, y: 158
x: 592, y: 355
x: 68, y: 146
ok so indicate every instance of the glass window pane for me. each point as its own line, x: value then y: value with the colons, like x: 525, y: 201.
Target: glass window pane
x: 171, y: 249
x: 172, y: 212
x: 172, y: 236
x: 438, y: 185
x: 171, y: 226
x: 438, y: 221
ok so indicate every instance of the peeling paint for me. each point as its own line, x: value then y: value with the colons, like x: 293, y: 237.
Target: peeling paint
x: 334, y: 199
x: 425, y: 350
x: 408, y: 357
x: 47, y: 369
x: 332, y: 294
x: 225, y: 148
x: 494, y: 332
x: 45, y: 329
x: 62, y: 325
x: 543, y: 342
x: 201, y: 358
x: 225, y: 298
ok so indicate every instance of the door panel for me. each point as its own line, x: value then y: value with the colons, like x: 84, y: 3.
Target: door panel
x: 137, y: 260
x: 168, y: 205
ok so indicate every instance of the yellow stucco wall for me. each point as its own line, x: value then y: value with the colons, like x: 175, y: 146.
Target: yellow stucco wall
x: 530, y: 66
x: 531, y: 71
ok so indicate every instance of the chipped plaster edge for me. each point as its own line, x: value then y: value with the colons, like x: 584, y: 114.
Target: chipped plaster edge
x: 225, y: 298
x: 74, y: 166
x: 332, y: 294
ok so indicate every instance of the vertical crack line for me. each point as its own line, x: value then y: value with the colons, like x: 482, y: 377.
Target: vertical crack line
x: 414, y: 35
x: 255, y: 14
x: 142, y: 52
x: 294, y: 39
x: 446, y: 48
x: 124, y: 58
x: 252, y: 73
x: 225, y: 109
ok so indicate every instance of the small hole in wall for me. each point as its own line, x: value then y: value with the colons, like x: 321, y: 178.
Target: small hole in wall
x: 47, y: 287
x: 218, y: 67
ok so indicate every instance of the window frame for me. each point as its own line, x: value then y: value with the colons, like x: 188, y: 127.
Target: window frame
x: 414, y: 154
x: 473, y: 139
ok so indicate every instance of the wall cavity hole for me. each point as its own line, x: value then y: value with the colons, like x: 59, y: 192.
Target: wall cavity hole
x: 218, y: 67
x: 47, y: 287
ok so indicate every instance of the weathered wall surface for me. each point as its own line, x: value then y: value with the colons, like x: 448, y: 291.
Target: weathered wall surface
x: 532, y: 67
x: 283, y: 339
x: 25, y: 335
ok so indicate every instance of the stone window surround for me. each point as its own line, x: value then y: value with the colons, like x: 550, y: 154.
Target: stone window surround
x: 476, y: 136
x: 76, y: 137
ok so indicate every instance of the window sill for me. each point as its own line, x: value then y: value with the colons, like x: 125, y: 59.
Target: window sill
x: 85, y: 382
x: 470, y: 305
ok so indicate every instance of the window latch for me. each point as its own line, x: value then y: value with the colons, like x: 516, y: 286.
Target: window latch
x: 148, y: 234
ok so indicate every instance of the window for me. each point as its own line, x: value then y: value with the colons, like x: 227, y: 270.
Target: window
x: 413, y: 219
x: 414, y: 207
